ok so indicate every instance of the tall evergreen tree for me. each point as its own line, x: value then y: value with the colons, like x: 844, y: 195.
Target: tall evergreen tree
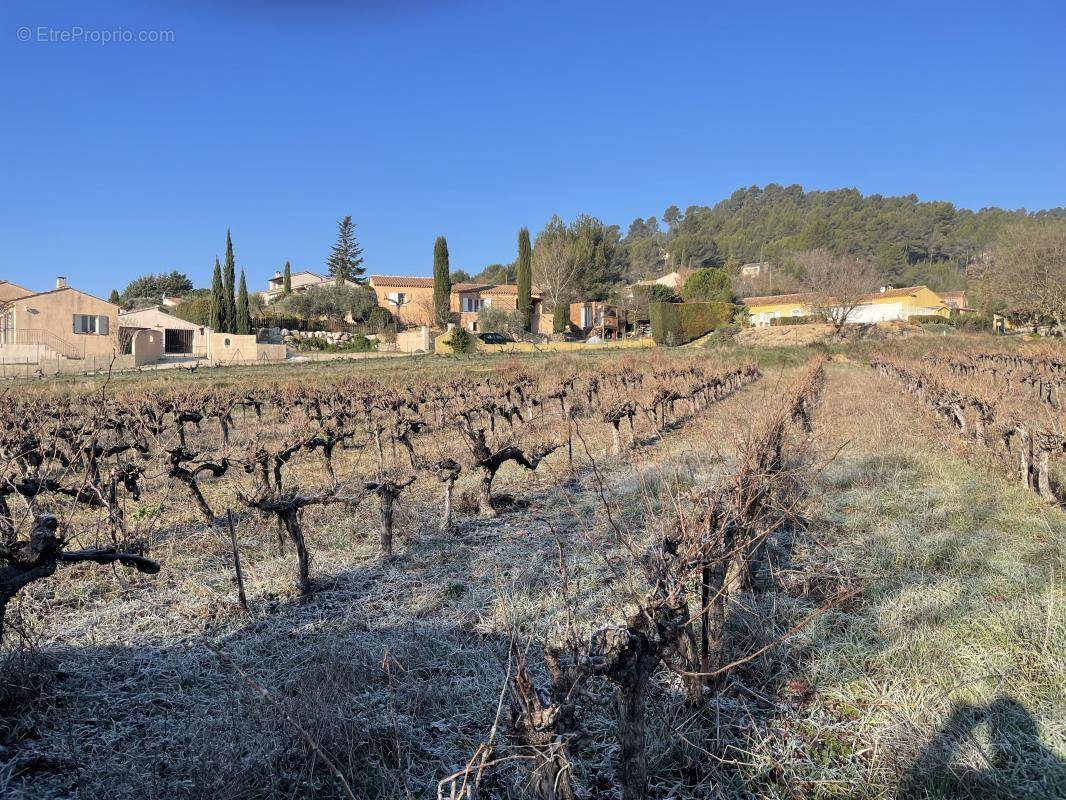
x: 442, y: 282
x: 114, y: 297
x: 346, y: 257
x: 244, y: 313
x: 229, y: 300
x: 217, y: 301
x: 524, y: 278
x: 286, y: 283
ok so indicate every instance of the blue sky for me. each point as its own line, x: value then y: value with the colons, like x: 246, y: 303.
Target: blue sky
x: 471, y: 119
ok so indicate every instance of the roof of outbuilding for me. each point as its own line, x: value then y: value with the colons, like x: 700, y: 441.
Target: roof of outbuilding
x: 774, y: 299
x: 807, y: 297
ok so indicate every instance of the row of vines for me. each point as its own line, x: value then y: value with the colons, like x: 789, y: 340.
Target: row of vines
x: 1008, y: 403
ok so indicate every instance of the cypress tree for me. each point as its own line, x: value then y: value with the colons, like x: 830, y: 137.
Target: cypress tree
x: 114, y: 298
x: 442, y: 282
x: 217, y: 303
x: 524, y: 277
x: 561, y: 317
x: 244, y: 313
x: 229, y: 300
x: 286, y: 284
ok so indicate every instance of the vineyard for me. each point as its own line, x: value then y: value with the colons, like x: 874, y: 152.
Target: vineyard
x: 630, y: 577
x: 1010, y: 403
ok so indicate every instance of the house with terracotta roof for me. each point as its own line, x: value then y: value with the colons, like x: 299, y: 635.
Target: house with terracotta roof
x: 61, y: 322
x: 889, y: 304
x: 410, y: 299
x: 300, y: 282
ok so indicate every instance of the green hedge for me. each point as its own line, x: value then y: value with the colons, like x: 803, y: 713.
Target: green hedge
x: 973, y: 321
x: 923, y: 319
x: 680, y: 323
x: 777, y: 322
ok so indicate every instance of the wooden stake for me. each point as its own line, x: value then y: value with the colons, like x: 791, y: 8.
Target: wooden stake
x: 241, y: 598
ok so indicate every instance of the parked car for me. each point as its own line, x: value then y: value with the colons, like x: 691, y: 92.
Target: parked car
x: 493, y: 338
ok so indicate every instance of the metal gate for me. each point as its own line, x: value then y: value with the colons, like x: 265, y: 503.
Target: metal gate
x: 177, y: 342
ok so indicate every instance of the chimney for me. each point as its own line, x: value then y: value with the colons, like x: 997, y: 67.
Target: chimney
x: 277, y: 273
x: 61, y: 282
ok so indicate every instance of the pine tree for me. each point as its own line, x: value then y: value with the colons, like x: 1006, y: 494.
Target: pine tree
x: 114, y: 298
x: 442, y: 282
x: 229, y: 300
x: 244, y: 313
x: 286, y: 283
x: 347, y: 256
x: 524, y: 278
x: 217, y: 302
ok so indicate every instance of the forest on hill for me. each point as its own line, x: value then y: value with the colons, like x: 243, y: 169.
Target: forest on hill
x: 907, y: 240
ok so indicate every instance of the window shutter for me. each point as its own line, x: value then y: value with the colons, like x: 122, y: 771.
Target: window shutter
x: 102, y: 326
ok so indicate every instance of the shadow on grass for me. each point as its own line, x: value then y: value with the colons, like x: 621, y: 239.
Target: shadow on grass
x: 1015, y: 765
x: 394, y: 701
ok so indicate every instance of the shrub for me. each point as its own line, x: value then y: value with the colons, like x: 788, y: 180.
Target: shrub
x: 680, y: 323
x: 461, y: 341
x: 779, y: 321
x: 708, y: 285
x: 360, y: 344
x: 378, y: 319
x: 498, y: 320
x: 719, y: 338
x: 973, y: 321
x: 935, y: 319
x: 313, y: 343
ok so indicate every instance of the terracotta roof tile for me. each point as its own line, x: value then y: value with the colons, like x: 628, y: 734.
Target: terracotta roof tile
x: 401, y: 281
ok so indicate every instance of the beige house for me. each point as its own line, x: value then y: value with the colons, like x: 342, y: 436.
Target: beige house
x: 59, y: 322
x: 410, y: 299
x: 468, y: 299
x: 889, y: 304
x: 180, y: 337
x: 299, y: 281
x: 11, y: 291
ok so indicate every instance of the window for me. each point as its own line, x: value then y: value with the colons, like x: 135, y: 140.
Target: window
x: 398, y: 298
x: 473, y: 303
x: 91, y: 323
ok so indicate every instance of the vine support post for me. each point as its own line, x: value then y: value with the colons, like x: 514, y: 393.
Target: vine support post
x: 242, y: 598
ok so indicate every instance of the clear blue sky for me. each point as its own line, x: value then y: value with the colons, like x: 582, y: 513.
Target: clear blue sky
x: 471, y: 119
